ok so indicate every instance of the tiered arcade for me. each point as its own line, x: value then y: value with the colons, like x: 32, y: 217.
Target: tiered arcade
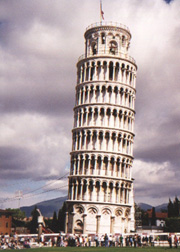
x: 100, y: 196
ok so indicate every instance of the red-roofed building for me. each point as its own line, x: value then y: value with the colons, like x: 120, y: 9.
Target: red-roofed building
x: 5, y: 222
x: 160, y: 218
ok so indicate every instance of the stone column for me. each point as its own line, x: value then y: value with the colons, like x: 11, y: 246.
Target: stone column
x: 75, y: 141
x: 66, y: 223
x: 86, y: 192
x: 128, y: 195
x: 123, y: 222
x: 89, y: 73
x: 101, y: 72
x: 76, y: 191
x: 93, y: 192
x: 78, y: 165
x: 98, y: 217
x: 123, y: 98
x: 95, y: 71
x: 114, y: 72
x: 107, y: 72
x: 81, y: 74
x: 83, y: 165
x: 121, y: 194
x: 80, y: 192
x: 96, y: 165
x: 112, y: 224
x: 84, y: 223
x: 72, y: 229
x: 70, y: 192
x: 117, y: 195
x: 113, y: 194
x: 125, y: 195
x: 88, y: 168
x: 85, y: 72
x: 88, y: 95
x: 107, y: 167
x: 116, y: 144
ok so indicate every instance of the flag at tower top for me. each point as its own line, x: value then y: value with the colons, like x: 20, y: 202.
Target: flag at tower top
x: 101, y: 12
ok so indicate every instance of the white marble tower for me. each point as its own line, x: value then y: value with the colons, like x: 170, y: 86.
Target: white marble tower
x: 100, y: 196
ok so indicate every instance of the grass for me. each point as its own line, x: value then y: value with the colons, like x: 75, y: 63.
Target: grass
x: 102, y: 249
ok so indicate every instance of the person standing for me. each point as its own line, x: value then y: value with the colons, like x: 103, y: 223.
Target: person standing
x: 175, y: 241
x: 170, y: 241
x: 121, y: 240
x: 106, y: 239
x: 96, y: 238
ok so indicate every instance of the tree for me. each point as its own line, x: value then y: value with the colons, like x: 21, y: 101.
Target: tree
x: 17, y: 213
x: 170, y: 209
x: 172, y: 224
x: 55, y: 227
x: 138, y: 215
x: 153, y: 219
x: 176, y: 207
x: 145, y: 218
x: 173, y: 208
x: 62, y: 217
x: 34, y: 223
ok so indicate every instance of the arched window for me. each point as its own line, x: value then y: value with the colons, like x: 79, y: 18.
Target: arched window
x: 111, y: 71
x: 94, y: 48
x: 92, y: 71
x: 99, y: 163
x: 113, y: 47
x: 98, y: 69
x: 123, y: 40
x: 103, y: 39
x: 116, y: 71
x: 100, y: 139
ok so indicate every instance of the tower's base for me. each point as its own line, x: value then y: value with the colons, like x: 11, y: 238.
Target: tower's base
x: 101, y: 218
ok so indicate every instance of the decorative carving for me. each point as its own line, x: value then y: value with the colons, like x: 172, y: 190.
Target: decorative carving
x: 79, y: 209
x: 79, y: 224
x: 92, y: 210
x: 118, y: 212
x: 106, y: 211
x: 127, y: 212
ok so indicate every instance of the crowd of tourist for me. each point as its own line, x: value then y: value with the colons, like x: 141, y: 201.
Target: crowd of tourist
x: 63, y: 240
x: 112, y: 241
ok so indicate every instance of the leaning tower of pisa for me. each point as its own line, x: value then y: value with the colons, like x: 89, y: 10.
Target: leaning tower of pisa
x: 100, y: 193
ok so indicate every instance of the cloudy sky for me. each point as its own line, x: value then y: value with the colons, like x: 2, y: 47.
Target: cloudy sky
x: 40, y: 42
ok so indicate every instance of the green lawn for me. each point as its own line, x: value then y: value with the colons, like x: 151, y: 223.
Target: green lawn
x: 101, y: 249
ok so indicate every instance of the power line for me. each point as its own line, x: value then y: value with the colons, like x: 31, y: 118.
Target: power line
x: 30, y: 196
x: 16, y: 197
x: 64, y: 176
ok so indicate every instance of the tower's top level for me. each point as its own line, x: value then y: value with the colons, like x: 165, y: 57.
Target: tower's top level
x: 107, y: 25
x: 107, y: 38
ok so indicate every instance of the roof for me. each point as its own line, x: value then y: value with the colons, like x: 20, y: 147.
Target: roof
x: 5, y: 211
x: 159, y: 215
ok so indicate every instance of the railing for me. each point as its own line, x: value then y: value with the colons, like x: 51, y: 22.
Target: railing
x: 108, y: 23
x: 102, y: 53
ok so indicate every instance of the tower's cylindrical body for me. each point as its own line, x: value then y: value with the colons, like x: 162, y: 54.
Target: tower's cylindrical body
x: 100, y: 196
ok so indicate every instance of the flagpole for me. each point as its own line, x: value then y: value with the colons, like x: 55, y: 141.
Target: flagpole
x: 101, y: 11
